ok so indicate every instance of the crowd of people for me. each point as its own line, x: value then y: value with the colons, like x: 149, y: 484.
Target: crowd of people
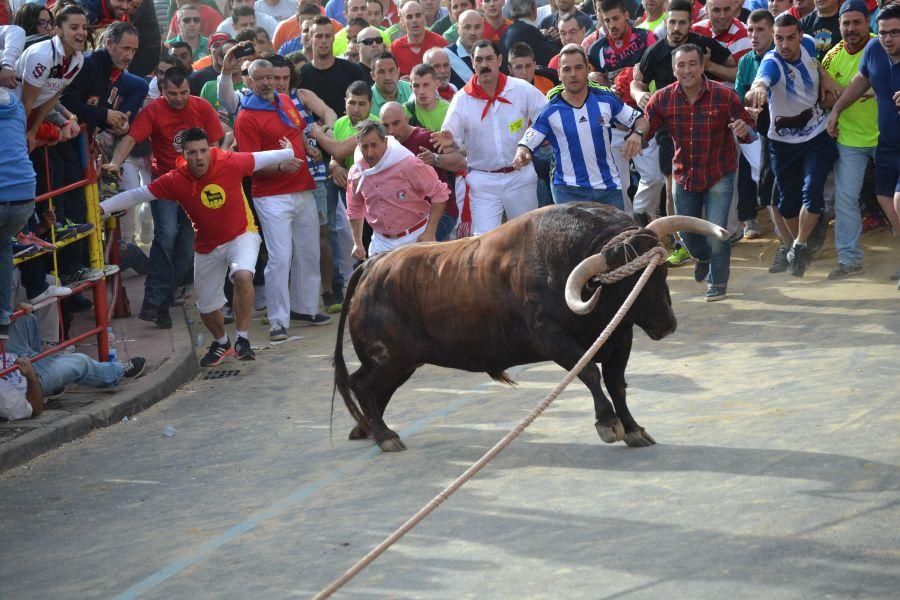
x: 277, y: 142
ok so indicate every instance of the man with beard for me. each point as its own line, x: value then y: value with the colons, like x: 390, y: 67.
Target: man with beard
x: 878, y: 69
x: 489, y: 117
x: 388, y: 86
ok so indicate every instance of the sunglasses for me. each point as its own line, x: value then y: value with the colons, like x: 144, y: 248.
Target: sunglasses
x: 190, y: 19
x: 370, y: 41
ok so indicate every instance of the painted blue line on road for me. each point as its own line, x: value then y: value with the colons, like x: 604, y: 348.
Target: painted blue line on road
x: 203, y: 550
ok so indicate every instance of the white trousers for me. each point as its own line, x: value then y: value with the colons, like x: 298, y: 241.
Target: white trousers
x: 381, y: 244
x: 652, y: 183
x: 492, y: 194
x: 618, y: 139
x: 290, y: 224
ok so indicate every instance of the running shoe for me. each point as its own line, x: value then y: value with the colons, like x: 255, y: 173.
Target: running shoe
x: 30, y: 238
x: 714, y: 294
x: 278, y: 334
x: 134, y: 367
x: 799, y: 257
x: 69, y: 229
x: 751, y: 229
x: 679, y: 256
x: 52, y: 291
x: 780, y: 262
x: 315, y: 320
x: 216, y: 354
x: 843, y: 271
x: 23, y: 250
x: 243, y: 350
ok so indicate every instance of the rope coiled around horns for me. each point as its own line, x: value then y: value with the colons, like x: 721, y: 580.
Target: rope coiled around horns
x: 634, y: 261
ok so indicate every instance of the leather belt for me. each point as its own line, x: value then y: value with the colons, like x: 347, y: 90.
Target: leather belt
x: 394, y: 236
x: 503, y: 170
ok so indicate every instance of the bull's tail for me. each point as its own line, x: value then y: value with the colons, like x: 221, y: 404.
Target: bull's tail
x: 341, y: 375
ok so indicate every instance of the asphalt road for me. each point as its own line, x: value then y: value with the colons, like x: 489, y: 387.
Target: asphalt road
x: 775, y: 474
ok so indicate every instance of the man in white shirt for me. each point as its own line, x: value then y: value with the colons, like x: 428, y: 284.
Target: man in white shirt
x: 488, y: 117
x: 266, y: 21
x: 12, y: 41
x: 277, y: 9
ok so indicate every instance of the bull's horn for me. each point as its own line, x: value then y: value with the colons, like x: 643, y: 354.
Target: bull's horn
x: 579, y: 276
x: 665, y: 225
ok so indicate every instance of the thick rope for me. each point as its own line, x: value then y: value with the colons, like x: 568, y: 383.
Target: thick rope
x: 338, y: 583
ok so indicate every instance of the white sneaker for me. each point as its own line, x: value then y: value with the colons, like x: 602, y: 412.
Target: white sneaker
x: 51, y: 293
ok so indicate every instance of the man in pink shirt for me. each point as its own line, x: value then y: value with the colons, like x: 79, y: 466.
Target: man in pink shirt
x: 400, y: 197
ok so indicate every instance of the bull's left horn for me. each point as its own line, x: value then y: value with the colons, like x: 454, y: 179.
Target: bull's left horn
x: 579, y: 276
x: 663, y: 226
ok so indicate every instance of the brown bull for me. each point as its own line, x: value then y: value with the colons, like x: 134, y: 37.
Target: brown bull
x: 510, y: 297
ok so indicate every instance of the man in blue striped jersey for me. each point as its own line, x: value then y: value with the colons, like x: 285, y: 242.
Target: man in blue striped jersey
x: 578, y: 124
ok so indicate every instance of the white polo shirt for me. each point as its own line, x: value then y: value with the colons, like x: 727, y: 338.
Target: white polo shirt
x: 13, y: 388
x: 44, y: 65
x: 491, y: 142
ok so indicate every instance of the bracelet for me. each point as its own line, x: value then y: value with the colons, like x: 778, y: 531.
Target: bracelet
x: 437, y: 160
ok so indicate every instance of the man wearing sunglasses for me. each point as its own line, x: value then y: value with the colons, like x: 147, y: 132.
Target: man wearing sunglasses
x: 189, y: 25
x: 371, y: 45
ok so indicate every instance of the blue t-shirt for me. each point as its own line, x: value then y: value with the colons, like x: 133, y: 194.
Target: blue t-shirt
x: 884, y: 78
x: 793, y: 91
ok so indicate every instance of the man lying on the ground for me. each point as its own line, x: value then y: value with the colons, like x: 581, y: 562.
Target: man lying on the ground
x: 22, y: 391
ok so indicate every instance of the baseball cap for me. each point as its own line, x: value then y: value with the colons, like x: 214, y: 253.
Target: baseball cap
x: 219, y: 38
x: 854, y: 6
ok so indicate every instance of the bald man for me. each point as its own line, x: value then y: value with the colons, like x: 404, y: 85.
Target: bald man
x: 411, y: 48
x: 418, y: 141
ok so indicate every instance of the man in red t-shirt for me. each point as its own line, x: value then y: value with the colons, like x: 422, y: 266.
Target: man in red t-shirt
x: 410, y: 48
x: 285, y: 204
x: 164, y: 121
x: 206, y: 182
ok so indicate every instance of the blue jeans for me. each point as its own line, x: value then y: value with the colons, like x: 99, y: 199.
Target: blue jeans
x: 59, y: 370
x: 848, y: 180
x: 171, y: 253
x: 571, y: 193
x: 445, y: 227
x: 713, y: 205
x: 335, y: 195
x: 12, y: 218
x: 800, y: 173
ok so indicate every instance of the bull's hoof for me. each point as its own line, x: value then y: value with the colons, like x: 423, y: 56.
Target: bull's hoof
x: 612, y: 433
x: 639, y: 439
x: 358, y: 434
x: 392, y: 445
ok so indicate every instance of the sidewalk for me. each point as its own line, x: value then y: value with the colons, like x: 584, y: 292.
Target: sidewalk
x: 170, y: 363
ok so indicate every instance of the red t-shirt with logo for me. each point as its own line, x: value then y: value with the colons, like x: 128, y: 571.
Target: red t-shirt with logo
x: 215, y: 203
x: 258, y: 130
x: 163, y: 125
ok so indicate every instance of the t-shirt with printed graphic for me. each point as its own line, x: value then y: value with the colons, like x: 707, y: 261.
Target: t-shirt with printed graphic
x: 44, y: 65
x: 14, y: 403
x: 793, y: 91
x: 164, y: 126
x: 610, y: 56
x: 858, y: 124
x: 825, y: 31
x: 215, y: 203
x: 582, y: 138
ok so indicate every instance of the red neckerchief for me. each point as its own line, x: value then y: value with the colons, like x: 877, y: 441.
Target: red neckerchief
x: 474, y: 89
x: 618, y: 45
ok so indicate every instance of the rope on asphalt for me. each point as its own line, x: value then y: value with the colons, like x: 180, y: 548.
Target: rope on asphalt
x: 654, y: 257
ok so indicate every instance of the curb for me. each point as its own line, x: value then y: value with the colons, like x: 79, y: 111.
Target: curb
x: 132, y: 399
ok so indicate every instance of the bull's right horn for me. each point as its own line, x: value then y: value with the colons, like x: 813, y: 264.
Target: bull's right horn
x: 579, y: 276
x: 663, y: 226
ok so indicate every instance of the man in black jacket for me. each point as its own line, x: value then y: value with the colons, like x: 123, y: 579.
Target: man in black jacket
x: 524, y: 12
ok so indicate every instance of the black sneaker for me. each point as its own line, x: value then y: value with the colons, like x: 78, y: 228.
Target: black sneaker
x: 217, y: 353
x: 843, y: 271
x: 799, y: 260
x: 780, y: 262
x: 715, y: 293
x: 148, y: 312
x: 134, y: 367
x: 163, y: 319
x: 317, y: 319
x: 701, y: 270
x: 278, y: 334
x: 243, y: 350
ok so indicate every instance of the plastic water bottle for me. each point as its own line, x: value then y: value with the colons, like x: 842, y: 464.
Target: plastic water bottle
x: 113, y: 352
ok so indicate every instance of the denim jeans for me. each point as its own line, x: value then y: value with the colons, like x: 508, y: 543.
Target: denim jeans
x: 571, y: 193
x: 713, y: 205
x: 12, y: 218
x: 335, y: 195
x: 445, y: 228
x: 171, y: 253
x: 59, y: 370
x: 848, y: 180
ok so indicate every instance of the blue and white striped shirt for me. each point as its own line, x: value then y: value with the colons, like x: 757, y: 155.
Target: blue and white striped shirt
x: 582, y: 138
